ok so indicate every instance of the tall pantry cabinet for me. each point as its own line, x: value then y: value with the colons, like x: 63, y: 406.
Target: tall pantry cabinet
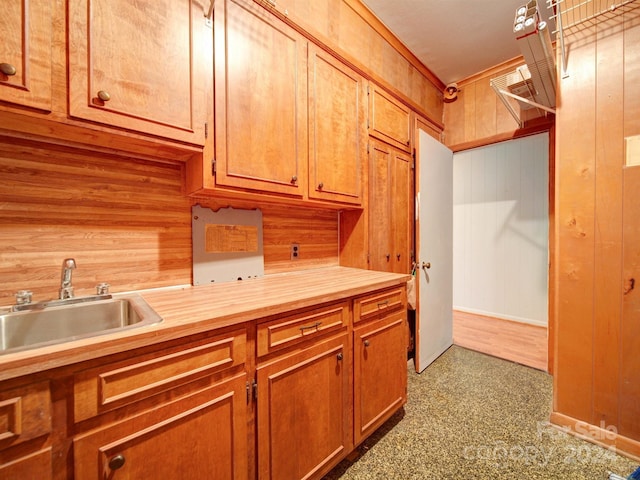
x: 390, y: 222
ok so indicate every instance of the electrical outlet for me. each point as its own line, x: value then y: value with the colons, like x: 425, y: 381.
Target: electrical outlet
x: 295, y: 251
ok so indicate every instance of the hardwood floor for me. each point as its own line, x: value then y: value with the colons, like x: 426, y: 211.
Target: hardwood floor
x: 519, y: 342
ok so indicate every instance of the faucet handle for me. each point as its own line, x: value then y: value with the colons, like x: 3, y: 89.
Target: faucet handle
x: 23, y: 297
x: 102, y: 288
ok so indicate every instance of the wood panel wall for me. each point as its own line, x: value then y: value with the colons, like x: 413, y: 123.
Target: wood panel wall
x: 478, y: 117
x: 500, y: 230
x: 597, y: 370
x: 125, y: 222
x: 356, y: 35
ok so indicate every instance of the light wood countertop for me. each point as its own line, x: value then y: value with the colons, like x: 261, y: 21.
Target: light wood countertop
x: 195, y: 309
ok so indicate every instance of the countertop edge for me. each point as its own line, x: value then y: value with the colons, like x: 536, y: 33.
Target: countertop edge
x: 13, y: 365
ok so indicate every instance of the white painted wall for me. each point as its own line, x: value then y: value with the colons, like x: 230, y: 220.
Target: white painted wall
x: 500, y: 229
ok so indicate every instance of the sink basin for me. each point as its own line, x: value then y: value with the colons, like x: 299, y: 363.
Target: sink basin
x: 48, y: 325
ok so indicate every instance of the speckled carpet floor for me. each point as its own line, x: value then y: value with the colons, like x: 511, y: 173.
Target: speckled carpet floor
x: 472, y: 416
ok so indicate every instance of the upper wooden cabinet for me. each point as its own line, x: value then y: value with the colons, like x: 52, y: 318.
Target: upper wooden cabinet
x: 140, y: 69
x: 260, y: 101
x: 25, y: 53
x: 337, y: 129
x: 389, y: 120
x: 290, y: 119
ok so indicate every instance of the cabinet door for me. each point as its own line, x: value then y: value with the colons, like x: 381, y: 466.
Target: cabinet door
x: 337, y: 129
x: 260, y: 101
x: 380, y: 160
x: 390, y: 208
x: 389, y: 119
x: 203, y: 436
x: 380, y: 372
x: 401, y: 213
x: 25, y: 53
x: 303, y: 414
x: 36, y: 466
x: 138, y: 66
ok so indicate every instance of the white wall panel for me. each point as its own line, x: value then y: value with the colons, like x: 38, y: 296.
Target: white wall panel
x: 500, y: 229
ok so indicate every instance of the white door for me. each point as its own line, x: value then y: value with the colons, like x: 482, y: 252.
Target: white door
x: 434, y: 244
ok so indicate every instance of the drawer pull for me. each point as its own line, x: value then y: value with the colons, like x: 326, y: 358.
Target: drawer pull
x: 117, y: 462
x: 308, y: 327
x: 383, y: 304
x: 366, y: 343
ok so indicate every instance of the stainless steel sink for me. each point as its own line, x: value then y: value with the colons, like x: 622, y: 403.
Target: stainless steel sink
x: 53, y: 322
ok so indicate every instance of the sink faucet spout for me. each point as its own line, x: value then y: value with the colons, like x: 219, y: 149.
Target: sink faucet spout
x: 66, y: 288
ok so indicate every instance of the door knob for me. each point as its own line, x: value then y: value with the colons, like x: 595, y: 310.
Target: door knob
x: 426, y: 265
x: 8, y: 69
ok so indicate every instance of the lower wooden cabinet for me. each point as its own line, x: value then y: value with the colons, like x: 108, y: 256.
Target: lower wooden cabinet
x: 379, y: 372
x: 304, y: 411
x: 36, y: 466
x: 25, y: 431
x: 202, y: 436
x: 281, y: 397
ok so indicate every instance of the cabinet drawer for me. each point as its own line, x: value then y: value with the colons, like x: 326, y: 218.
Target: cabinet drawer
x: 25, y: 413
x: 283, y: 332
x: 379, y: 303
x: 111, y: 386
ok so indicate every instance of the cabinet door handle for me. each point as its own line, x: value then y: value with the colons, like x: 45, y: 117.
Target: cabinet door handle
x: 8, y: 69
x: 320, y: 186
x: 388, y: 255
x: 366, y: 343
x: 104, y: 95
x: 294, y: 179
x: 340, y: 356
x: 398, y: 256
x: 307, y: 327
x: 117, y: 462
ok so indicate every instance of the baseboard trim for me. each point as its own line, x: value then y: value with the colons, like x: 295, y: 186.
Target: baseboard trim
x: 529, y: 321
x: 605, y: 437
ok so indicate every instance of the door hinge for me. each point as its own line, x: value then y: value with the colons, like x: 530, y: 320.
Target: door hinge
x: 252, y: 391
x: 368, y: 258
x: 367, y: 89
x: 206, y: 130
x: 213, y: 166
x: 368, y: 147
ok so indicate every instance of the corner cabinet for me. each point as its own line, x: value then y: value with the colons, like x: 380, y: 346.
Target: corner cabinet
x: 290, y: 118
x: 25, y: 53
x: 141, y: 69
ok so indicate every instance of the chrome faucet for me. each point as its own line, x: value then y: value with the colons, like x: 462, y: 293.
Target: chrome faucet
x: 66, y: 289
